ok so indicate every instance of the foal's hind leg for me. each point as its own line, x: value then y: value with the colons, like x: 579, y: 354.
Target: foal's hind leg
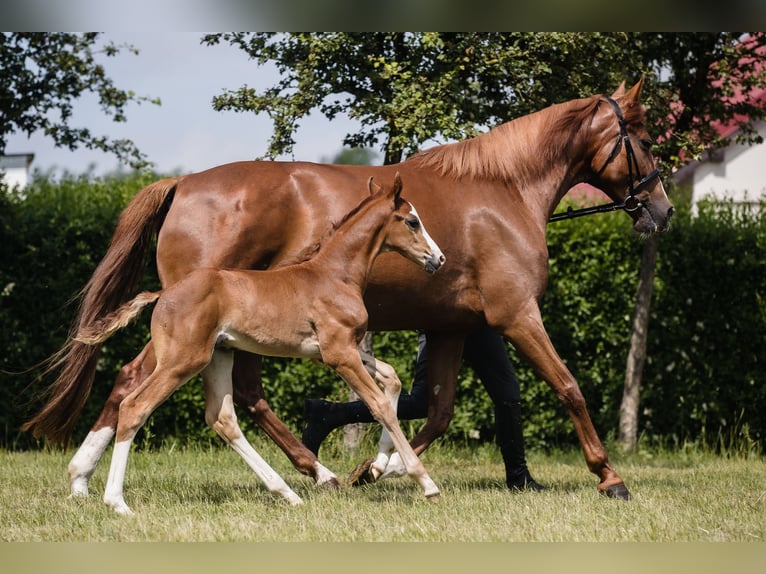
x: 84, y: 462
x: 134, y: 410
x: 220, y: 416
x: 248, y: 394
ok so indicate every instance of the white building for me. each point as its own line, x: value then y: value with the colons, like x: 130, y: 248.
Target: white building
x: 14, y: 168
x: 736, y: 172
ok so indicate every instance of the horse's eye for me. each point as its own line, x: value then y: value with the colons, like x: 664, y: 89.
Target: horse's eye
x: 646, y: 143
x: 413, y: 223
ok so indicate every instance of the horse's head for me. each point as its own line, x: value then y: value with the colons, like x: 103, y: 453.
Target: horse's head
x: 405, y: 232
x: 622, y: 164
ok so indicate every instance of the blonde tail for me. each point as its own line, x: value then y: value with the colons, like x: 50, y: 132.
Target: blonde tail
x: 101, y: 329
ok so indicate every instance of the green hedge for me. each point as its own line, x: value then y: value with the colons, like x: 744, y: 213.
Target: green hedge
x: 704, y: 377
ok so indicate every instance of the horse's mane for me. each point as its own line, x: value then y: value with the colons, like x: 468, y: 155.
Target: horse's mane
x: 518, y: 150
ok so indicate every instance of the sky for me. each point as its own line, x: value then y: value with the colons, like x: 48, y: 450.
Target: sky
x: 184, y: 134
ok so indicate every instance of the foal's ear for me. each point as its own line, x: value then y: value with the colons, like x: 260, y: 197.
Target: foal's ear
x: 397, y: 185
x: 372, y: 186
x: 620, y: 91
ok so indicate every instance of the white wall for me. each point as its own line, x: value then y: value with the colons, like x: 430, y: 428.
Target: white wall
x: 741, y: 175
x: 14, y: 169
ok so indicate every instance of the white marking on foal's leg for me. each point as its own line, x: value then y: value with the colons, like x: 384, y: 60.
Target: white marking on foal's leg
x: 395, y: 467
x: 113, y: 494
x: 386, y: 376
x: 86, y: 459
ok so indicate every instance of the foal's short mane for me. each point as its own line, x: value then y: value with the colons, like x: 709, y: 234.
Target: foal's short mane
x: 312, y: 250
x: 518, y: 150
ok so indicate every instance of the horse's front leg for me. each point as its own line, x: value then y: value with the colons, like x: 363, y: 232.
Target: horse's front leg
x: 528, y: 335
x: 84, y: 462
x: 249, y: 395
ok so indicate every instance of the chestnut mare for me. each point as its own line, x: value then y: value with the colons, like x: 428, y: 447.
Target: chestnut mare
x: 486, y: 201
x: 312, y: 309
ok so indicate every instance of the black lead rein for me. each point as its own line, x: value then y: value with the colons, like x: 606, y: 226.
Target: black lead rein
x: 630, y: 203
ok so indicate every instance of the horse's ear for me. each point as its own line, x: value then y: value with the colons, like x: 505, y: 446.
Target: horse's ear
x: 635, y: 92
x: 372, y: 186
x: 620, y: 91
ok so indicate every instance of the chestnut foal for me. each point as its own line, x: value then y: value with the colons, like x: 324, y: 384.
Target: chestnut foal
x: 312, y: 309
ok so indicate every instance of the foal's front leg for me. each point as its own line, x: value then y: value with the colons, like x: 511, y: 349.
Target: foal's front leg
x: 385, y: 464
x: 347, y: 363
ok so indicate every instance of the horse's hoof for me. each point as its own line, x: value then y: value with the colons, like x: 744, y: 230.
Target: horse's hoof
x: 435, y: 498
x: 619, y: 491
x: 362, y: 474
x: 329, y: 484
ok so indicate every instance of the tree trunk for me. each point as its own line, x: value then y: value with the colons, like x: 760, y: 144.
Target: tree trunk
x: 628, y: 426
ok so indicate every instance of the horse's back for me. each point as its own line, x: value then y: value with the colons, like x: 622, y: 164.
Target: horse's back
x: 259, y: 214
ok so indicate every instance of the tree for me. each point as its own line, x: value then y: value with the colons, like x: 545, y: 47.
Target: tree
x: 43, y: 75
x: 709, y: 79
x: 408, y: 88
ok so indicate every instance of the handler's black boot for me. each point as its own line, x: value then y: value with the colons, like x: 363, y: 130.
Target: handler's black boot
x: 322, y: 417
x: 510, y: 439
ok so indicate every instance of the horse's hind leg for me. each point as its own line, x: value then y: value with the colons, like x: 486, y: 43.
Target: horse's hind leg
x: 220, y: 416
x: 249, y: 395
x: 84, y: 462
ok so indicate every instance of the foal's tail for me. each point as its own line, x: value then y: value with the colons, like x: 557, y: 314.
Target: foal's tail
x: 112, y: 282
x: 103, y: 328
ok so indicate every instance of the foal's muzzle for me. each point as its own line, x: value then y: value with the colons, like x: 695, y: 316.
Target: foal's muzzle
x: 434, y: 262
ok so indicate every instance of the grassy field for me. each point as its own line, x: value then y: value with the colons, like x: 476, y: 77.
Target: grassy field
x: 208, y: 494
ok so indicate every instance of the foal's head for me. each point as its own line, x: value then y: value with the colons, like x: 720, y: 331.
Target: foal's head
x: 622, y: 163
x: 405, y: 232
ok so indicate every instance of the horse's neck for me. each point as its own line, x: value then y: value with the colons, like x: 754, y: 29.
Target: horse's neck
x: 539, y: 156
x: 351, y: 250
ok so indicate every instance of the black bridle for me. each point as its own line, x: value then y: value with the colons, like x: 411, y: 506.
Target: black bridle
x: 631, y: 203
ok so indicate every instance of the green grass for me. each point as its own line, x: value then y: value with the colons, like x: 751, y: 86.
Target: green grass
x: 208, y: 494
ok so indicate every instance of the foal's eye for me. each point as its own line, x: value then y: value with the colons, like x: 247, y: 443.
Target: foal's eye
x: 413, y: 223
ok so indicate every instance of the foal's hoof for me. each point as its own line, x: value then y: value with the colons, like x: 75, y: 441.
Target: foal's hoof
x: 362, y: 474
x: 435, y: 498
x: 619, y: 491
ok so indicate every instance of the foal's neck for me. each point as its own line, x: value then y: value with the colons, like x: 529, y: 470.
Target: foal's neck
x: 351, y: 250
